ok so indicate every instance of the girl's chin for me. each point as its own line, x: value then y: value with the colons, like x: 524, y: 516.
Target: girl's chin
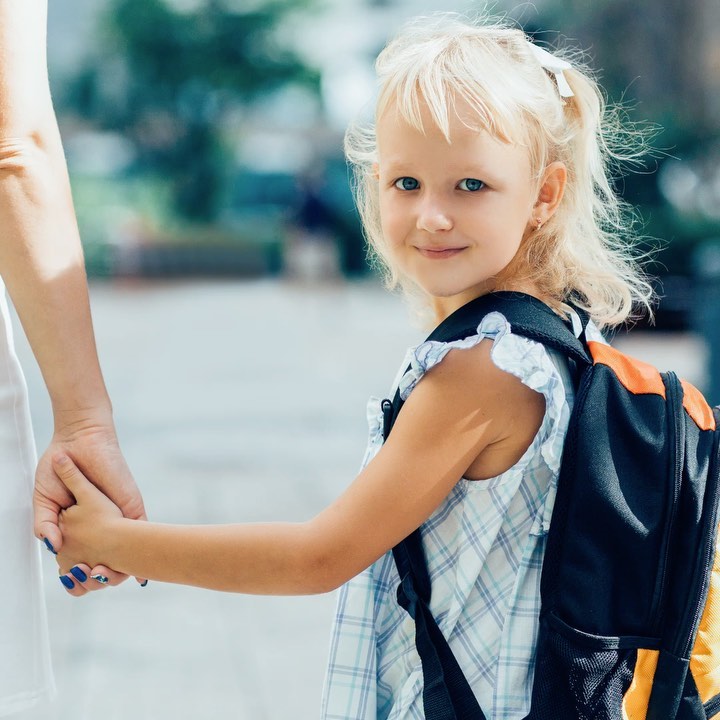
x: 455, y: 296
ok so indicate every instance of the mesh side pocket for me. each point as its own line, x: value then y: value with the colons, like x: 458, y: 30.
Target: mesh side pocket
x: 581, y: 677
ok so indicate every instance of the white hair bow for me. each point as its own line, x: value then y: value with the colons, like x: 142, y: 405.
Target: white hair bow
x: 554, y: 65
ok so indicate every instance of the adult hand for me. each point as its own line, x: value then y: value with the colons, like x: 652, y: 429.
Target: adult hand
x: 90, y: 440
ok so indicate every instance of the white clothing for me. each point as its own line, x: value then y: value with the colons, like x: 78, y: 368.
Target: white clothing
x: 25, y: 671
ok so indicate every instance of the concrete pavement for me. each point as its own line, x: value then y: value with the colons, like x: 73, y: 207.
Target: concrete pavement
x: 235, y: 402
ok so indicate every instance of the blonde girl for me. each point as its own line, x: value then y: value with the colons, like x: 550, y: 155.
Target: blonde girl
x: 486, y: 168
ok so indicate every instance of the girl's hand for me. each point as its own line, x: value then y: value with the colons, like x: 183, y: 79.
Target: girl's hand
x: 86, y: 526
x: 89, y: 438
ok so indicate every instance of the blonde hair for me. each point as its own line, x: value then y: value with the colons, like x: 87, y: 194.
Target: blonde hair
x: 583, y: 253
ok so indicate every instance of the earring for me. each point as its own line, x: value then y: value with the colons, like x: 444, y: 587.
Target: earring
x: 538, y: 223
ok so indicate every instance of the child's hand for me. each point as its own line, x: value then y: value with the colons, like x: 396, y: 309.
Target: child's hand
x: 86, y: 526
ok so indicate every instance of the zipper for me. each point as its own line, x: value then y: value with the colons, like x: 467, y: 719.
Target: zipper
x: 676, y: 429
x: 712, y: 706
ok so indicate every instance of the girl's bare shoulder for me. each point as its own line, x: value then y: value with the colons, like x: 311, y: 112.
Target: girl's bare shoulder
x: 482, y: 398
x: 469, y: 376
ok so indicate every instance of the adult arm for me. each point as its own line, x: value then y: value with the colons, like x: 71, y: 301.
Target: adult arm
x: 459, y: 410
x: 41, y: 263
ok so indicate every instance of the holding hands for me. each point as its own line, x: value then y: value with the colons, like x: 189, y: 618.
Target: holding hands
x: 87, y: 525
x: 71, y: 512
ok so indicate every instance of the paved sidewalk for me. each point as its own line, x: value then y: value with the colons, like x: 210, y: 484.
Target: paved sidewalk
x: 235, y: 402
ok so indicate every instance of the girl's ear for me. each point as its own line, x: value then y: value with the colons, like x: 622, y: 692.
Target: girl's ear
x: 551, y: 192
x: 376, y: 171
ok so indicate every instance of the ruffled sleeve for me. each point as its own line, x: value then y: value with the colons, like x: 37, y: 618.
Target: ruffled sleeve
x: 526, y: 359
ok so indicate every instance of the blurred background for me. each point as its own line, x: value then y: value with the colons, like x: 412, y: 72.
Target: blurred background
x: 239, y: 325
x: 204, y: 137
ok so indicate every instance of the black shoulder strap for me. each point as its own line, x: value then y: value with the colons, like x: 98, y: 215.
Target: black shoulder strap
x: 527, y: 315
x: 446, y: 693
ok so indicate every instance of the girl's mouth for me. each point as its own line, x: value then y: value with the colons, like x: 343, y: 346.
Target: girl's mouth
x: 439, y: 253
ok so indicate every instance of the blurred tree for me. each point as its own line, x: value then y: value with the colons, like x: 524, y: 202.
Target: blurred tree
x: 664, y: 54
x: 662, y: 59
x: 171, y: 70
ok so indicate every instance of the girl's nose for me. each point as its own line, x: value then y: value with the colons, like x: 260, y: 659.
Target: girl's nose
x: 433, y: 218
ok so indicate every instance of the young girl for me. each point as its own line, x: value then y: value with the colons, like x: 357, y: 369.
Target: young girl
x: 485, y: 170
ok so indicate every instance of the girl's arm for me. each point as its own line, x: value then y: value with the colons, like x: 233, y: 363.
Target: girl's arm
x: 462, y: 407
x: 41, y: 263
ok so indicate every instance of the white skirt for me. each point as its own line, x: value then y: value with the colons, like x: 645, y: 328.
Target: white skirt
x: 25, y: 670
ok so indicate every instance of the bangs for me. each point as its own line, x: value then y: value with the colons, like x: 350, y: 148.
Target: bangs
x: 466, y: 80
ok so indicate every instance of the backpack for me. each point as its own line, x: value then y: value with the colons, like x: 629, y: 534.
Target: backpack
x: 630, y: 583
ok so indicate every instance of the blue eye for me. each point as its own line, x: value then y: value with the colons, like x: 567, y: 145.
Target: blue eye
x: 471, y: 184
x: 407, y: 183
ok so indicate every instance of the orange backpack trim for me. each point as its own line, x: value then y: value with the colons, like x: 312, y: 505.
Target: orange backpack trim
x: 705, y: 658
x: 697, y: 407
x: 637, y: 697
x: 641, y: 378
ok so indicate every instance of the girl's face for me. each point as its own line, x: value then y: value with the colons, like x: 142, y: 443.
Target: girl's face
x: 453, y: 214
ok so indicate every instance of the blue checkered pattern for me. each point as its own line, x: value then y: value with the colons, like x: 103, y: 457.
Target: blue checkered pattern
x: 484, y: 546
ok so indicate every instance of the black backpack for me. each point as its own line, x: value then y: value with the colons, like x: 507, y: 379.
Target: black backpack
x: 630, y: 585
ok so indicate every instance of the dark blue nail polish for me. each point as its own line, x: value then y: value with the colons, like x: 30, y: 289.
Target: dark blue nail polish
x: 67, y: 582
x: 143, y: 583
x: 102, y: 579
x: 78, y: 574
x: 49, y: 546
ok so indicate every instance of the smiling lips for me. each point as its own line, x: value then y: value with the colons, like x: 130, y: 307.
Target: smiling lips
x: 439, y: 253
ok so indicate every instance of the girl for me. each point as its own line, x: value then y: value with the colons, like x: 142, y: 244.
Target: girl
x: 485, y: 169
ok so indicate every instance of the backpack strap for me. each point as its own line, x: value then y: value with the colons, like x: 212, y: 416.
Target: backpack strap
x: 446, y: 692
x: 528, y: 316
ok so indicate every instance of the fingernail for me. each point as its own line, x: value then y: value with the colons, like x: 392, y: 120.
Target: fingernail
x: 101, y: 579
x: 143, y: 583
x: 67, y: 582
x: 78, y: 574
x: 49, y: 546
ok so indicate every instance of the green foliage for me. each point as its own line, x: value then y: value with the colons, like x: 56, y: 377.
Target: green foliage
x: 169, y: 77
x: 168, y: 51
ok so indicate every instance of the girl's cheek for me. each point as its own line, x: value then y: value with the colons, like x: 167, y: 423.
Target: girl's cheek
x: 394, y: 226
